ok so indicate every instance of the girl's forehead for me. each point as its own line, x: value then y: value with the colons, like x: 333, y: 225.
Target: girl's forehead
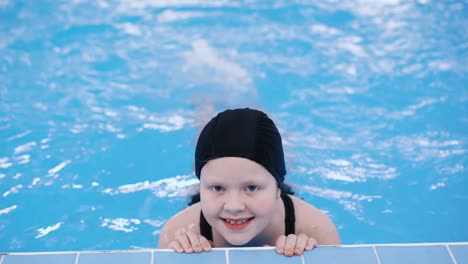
x: 236, y: 179
x: 234, y: 165
x: 234, y: 169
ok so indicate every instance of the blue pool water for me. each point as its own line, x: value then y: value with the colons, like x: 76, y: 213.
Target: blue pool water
x: 101, y: 103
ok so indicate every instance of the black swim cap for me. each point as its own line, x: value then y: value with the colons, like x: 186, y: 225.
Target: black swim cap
x: 244, y: 133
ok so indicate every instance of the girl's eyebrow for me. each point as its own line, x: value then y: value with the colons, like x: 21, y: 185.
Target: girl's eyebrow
x: 213, y: 182
x: 251, y: 183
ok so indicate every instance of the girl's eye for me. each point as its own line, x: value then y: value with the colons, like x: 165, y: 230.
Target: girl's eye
x: 217, y: 188
x: 252, y: 188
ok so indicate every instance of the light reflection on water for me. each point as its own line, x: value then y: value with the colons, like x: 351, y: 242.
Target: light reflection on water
x: 101, y: 103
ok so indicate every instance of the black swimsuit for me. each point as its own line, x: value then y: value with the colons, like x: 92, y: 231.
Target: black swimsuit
x: 289, y: 220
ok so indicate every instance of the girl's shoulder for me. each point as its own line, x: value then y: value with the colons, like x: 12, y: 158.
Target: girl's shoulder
x: 187, y: 218
x: 315, y: 223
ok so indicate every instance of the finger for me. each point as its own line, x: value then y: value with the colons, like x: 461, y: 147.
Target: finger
x: 176, y: 246
x: 311, y: 243
x: 194, y: 240
x: 280, y: 243
x: 300, y: 244
x: 184, y: 241
x: 290, y: 245
x: 205, y: 243
x: 180, y: 232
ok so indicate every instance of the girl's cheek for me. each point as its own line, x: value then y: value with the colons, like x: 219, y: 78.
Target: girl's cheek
x: 210, y: 205
x: 264, y: 205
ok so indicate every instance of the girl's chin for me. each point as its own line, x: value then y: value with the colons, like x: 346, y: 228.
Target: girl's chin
x: 238, y: 243
x: 237, y: 240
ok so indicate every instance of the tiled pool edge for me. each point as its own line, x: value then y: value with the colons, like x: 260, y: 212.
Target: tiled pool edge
x: 450, y: 253
x: 376, y: 254
x: 430, y: 253
x: 152, y: 250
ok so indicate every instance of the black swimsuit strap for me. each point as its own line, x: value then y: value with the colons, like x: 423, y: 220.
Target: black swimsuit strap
x: 205, y: 228
x: 289, y: 220
x: 290, y: 216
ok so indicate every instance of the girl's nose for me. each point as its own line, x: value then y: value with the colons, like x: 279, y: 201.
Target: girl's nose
x: 234, y: 204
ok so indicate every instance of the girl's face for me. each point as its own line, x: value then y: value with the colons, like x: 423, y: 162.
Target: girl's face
x: 238, y: 198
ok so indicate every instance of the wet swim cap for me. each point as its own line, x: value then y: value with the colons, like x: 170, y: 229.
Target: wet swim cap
x: 243, y: 133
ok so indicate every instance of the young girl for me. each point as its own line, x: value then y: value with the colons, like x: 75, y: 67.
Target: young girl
x: 243, y: 199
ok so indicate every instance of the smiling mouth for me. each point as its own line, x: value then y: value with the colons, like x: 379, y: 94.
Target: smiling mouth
x: 237, y: 224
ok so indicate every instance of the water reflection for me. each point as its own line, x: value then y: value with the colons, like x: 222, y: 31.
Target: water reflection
x: 101, y: 102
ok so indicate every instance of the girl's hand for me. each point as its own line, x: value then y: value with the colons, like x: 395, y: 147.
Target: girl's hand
x: 188, y: 241
x: 294, y: 245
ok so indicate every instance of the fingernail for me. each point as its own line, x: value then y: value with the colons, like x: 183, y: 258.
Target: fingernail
x: 280, y: 251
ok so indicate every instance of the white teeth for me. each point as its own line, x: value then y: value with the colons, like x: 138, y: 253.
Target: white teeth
x: 237, y: 222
